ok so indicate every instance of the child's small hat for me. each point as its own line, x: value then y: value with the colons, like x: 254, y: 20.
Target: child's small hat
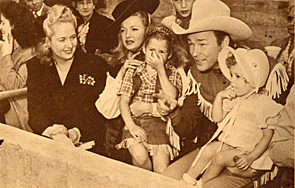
x: 254, y: 64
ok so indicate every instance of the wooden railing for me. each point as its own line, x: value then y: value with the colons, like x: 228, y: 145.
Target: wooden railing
x: 13, y: 93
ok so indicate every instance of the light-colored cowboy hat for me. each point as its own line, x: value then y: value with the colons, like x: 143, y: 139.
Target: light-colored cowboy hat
x: 253, y: 63
x: 214, y: 15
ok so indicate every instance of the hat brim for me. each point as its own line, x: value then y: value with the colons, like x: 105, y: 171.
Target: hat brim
x: 241, y: 61
x: 149, y: 6
x: 236, y: 29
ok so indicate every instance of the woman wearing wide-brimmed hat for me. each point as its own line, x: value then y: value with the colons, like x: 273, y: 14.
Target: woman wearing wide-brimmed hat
x: 132, y: 20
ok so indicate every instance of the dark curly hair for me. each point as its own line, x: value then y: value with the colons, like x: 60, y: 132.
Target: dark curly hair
x: 25, y: 27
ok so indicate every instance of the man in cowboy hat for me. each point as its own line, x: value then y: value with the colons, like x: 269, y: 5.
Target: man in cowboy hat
x: 211, y: 28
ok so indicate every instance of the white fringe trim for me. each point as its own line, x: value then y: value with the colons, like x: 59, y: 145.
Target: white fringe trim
x: 266, y: 177
x: 194, y: 88
x: 173, y: 138
x: 277, y: 82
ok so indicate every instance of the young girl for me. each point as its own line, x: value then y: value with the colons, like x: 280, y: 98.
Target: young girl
x: 147, y: 133
x: 243, y: 136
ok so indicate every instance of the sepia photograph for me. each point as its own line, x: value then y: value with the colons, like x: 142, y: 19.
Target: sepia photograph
x: 147, y: 93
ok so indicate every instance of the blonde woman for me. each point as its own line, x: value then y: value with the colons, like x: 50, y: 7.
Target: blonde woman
x: 63, y: 84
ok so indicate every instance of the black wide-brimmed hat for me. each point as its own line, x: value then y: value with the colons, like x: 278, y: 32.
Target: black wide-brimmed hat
x: 126, y: 8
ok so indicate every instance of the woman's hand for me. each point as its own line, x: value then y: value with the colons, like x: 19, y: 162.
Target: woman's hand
x: 243, y: 161
x: 130, y: 63
x: 156, y: 61
x: 56, y: 129
x: 7, y: 45
x: 138, y: 133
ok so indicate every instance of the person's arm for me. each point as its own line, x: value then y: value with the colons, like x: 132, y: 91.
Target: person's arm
x: 38, y: 98
x: 9, y: 76
x: 130, y: 63
x: 126, y: 92
x: 188, y: 121
x: 245, y: 161
x: 12, y: 76
x: 189, y: 118
x: 167, y: 87
x: 217, y: 109
x: 136, y: 131
x: 157, y: 62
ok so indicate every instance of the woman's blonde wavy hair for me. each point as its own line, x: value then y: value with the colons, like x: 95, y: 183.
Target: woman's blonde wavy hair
x: 120, y: 51
x: 56, y: 14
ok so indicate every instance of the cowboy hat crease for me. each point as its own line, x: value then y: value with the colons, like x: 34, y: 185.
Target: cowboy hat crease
x: 214, y: 15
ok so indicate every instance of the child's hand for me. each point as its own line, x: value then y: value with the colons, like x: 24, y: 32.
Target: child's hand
x: 138, y: 133
x: 166, y: 104
x: 243, y: 161
x: 156, y: 61
x: 227, y: 94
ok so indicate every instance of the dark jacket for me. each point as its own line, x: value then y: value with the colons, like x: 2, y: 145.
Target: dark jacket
x: 282, y: 43
x: 98, y: 37
x: 71, y: 104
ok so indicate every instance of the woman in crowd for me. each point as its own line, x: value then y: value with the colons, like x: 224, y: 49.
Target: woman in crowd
x: 91, y: 28
x: 20, y: 37
x: 63, y: 84
x: 131, y: 23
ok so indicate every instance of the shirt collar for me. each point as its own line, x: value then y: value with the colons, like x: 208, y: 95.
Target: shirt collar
x: 39, y: 11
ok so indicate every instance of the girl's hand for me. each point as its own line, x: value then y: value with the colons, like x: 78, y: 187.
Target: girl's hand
x: 7, y: 45
x: 166, y: 104
x: 227, y: 94
x: 243, y: 161
x: 156, y: 61
x: 138, y: 133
